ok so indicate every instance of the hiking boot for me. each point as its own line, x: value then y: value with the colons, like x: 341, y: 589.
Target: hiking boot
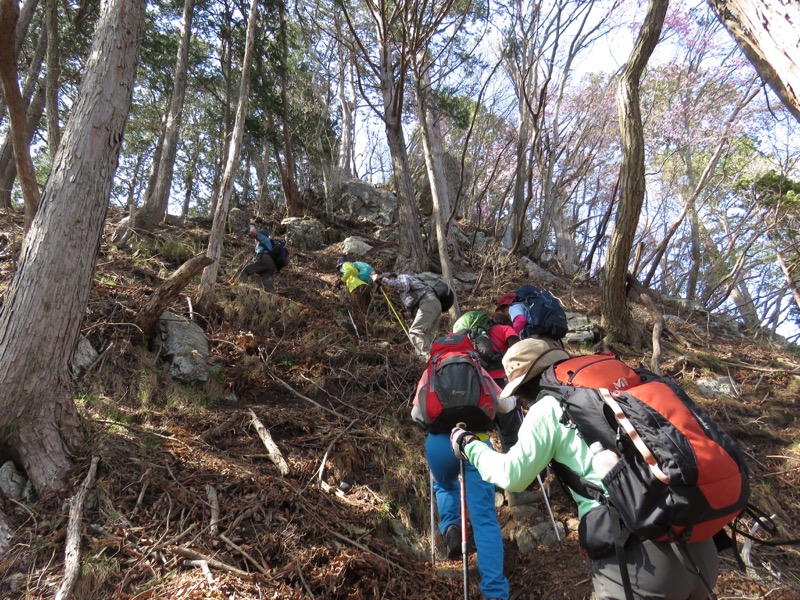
x: 520, y: 498
x: 452, y: 538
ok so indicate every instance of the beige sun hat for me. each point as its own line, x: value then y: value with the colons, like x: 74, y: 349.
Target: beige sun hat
x: 528, y: 358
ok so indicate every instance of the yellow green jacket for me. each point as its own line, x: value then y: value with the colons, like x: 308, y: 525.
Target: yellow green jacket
x: 350, y: 276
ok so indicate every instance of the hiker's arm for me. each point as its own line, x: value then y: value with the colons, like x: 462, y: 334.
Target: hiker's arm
x: 263, y: 238
x: 539, y: 436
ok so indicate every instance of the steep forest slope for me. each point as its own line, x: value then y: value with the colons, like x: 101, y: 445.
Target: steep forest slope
x: 188, y: 504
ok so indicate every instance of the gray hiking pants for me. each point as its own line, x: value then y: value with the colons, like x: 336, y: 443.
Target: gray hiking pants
x: 656, y: 572
x: 426, y: 321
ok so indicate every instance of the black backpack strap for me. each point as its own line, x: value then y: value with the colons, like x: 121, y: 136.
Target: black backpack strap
x: 619, y: 548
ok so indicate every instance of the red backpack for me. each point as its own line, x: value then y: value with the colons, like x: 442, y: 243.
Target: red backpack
x: 458, y: 390
x: 679, y: 476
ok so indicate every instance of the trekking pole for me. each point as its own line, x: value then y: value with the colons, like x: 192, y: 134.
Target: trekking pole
x: 350, y: 314
x: 462, y: 478
x: 433, y: 535
x: 549, y: 508
x: 397, y: 316
x: 518, y: 412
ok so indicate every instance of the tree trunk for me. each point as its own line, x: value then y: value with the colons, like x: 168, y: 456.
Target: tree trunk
x: 209, y: 279
x: 21, y: 30
x: 411, y: 256
x: 8, y: 168
x: 433, y: 149
x: 289, y: 182
x: 348, y: 106
x: 616, y: 315
x: 46, y: 300
x: 53, y: 77
x: 766, y: 31
x: 156, y: 202
x: 9, y: 14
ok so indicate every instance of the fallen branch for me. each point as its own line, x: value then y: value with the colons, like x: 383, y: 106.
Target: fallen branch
x: 272, y: 449
x: 299, y: 395
x: 72, y: 553
x: 212, y: 562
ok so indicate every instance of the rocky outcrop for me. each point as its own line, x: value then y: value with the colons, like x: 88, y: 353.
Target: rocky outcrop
x: 305, y: 234
x: 363, y: 202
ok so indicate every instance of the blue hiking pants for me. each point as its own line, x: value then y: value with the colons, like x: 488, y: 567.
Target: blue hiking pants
x: 486, y: 530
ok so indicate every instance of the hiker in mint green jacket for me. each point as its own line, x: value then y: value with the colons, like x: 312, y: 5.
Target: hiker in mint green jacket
x: 654, y: 569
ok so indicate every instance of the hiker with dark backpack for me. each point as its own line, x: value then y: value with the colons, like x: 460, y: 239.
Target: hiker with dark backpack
x: 356, y: 276
x: 653, y: 481
x: 455, y: 389
x: 420, y: 304
x: 263, y: 264
x: 507, y: 304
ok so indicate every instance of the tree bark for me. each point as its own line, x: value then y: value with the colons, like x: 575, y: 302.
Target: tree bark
x: 209, y: 279
x: 45, y: 303
x: 9, y: 14
x: 616, y: 315
x: 766, y: 31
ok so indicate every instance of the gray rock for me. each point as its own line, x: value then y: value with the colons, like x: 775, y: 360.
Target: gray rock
x: 13, y: 483
x: 581, y: 329
x: 534, y: 271
x: 85, y: 355
x: 546, y: 535
x: 355, y: 246
x: 305, y: 234
x: 715, y: 388
x: 363, y: 202
x: 189, y: 366
x: 466, y: 277
x: 178, y: 333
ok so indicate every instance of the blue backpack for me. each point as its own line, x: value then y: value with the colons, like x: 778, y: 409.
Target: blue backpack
x: 545, y: 316
x: 365, y: 272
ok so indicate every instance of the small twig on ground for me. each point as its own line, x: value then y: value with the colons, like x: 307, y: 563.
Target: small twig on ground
x: 143, y: 430
x: 146, y: 479
x: 272, y: 448
x: 212, y: 562
x: 213, y: 500
x: 203, y: 565
x: 299, y: 395
x: 72, y: 553
x: 303, y: 581
x: 223, y: 427
x: 241, y: 551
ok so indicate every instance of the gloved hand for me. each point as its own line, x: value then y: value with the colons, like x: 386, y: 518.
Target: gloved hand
x: 339, y: 283
x: 459, y: 438
x: 376, y: 279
